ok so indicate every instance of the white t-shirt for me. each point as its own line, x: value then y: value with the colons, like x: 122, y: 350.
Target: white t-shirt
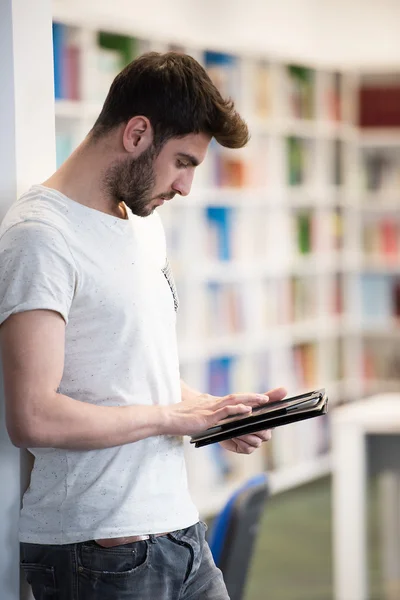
x: 107, y: 278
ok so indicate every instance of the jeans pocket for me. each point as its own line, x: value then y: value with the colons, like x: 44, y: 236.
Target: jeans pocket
x: 42, y: 580
x: 115, y: 562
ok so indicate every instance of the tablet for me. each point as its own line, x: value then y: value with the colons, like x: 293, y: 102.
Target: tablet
x: 272, y: 414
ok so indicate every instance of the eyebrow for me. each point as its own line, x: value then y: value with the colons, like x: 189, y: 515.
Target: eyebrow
x: 189, y: 157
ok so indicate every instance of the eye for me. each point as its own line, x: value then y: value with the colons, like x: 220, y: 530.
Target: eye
x: 181, y: 164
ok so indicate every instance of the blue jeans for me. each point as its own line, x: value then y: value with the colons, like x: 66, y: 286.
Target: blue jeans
x: 177, y: 566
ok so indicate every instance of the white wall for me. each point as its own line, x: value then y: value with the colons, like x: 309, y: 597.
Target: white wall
x: 27, y: 155
x: 9, y: 456
x: 332, y: 32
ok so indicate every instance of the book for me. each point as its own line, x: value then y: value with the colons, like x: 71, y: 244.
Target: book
x: 59, y: 35
x: 298, y: 161
x: 66, y: 57
x: 125, y: 46
x: 379, y: 105
x: 301, y: 91
x: 223, y: 71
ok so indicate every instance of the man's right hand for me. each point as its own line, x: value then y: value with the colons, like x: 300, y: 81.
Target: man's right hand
x: 203, y: 411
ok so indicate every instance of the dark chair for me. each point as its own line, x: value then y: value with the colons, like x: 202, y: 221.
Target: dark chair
x: 233, y: 533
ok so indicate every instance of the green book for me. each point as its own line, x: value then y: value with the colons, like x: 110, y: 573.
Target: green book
x: 303, y: 78
x: 304, y: 233
x: 295, y: 161
x: 126, y: 46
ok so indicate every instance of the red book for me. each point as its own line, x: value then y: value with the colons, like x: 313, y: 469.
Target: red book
x: 389, y: 239
x: 71, y: 62
x: 379, y: 106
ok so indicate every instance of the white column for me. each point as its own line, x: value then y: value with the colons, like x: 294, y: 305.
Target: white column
x: 389, y: 496
x: 27, y: 155
x: 349, y: 511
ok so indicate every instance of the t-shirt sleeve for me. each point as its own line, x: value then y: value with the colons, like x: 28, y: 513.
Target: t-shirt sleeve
x: 37, y: 270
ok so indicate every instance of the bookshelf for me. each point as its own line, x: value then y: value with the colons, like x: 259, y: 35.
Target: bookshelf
x: 269, y: 229
x: 378, y: 164
x: 379, y: 152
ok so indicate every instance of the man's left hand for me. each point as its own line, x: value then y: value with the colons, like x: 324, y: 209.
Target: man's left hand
x: 246, y: 444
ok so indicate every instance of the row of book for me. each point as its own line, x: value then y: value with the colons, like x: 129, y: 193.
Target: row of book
x: 105, y: 59
x: 381, y: 239
x: 113, y: 51
x: 225, y: 309
x: 380, y: 296
x: 299, y: 87
x: 235, y: 234
x: 298, y: 367
x: 235, y: 170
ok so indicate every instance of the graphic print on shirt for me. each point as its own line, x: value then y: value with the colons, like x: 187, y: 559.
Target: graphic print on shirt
x: 171, y: 282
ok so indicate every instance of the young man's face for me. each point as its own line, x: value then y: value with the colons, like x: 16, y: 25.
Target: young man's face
x: 148, y: 181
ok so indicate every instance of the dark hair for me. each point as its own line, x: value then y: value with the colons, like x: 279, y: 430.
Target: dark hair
x: 177, y: 96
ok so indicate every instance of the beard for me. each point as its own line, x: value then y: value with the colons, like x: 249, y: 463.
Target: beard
x: 132, y: 182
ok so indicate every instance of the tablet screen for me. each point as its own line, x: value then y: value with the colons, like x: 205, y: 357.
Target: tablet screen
x: 275, y: 406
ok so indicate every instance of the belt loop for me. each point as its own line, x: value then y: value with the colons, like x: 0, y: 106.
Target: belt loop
x: 152, y: 538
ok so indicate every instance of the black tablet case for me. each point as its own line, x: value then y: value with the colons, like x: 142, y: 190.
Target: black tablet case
x: 254, y: 423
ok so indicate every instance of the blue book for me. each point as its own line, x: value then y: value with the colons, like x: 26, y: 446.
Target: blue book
x: 59, y: 31
x: 220, y: 375
x: 220, y: 217
x: 377, y: 301
x: 219, y: 59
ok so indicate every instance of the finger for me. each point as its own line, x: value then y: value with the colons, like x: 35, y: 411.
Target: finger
x: 233, y: 446
x: 244, y: 447
x: 250, y: 439
x: 227, y: 411
x: 229, y: 445
x: 276, y: 394
x: 247, y: 399
x: 264, y: 435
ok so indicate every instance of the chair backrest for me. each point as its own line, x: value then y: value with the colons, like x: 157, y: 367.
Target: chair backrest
x: 233, y: 534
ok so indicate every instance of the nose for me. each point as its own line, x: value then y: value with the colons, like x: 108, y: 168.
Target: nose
x: 183, y: 184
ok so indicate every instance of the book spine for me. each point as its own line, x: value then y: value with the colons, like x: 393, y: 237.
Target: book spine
x: 59, y: 32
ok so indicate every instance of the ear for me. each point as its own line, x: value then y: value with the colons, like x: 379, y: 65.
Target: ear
x: 137, y: 135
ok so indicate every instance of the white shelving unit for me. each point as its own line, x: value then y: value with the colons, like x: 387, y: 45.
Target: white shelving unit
x: 377, y: 212
x: 286, y: 240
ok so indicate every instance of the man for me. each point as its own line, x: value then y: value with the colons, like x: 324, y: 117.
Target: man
x: 91, y: 374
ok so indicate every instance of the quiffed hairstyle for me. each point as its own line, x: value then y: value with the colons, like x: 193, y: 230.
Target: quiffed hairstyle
x: 177, y: 96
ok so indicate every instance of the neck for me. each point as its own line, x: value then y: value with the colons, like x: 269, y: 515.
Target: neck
x: 80, y: 178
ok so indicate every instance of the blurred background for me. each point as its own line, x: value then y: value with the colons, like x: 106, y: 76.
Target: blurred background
x: 286, y: 253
